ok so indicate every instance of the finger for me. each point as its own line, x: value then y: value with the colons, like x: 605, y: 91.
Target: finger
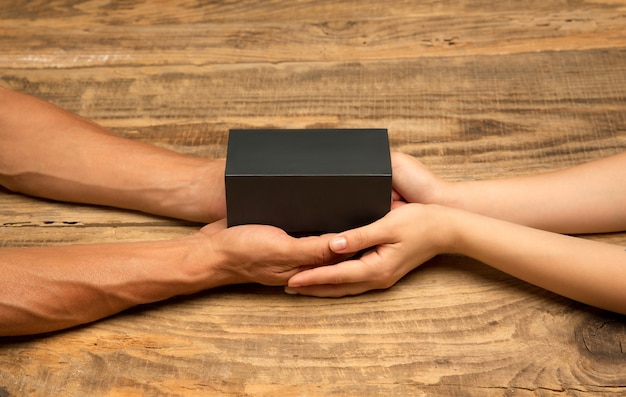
x: 313, y: 251
x: 214, y: 227
x: 329, y: 290
x: 397, y: 204
x: 396, y: 196
x: 361, y: 238
x: 352, y: 271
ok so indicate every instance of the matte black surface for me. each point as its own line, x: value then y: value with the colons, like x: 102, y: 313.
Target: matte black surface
x: 308, y: 152
x: 308, y: 181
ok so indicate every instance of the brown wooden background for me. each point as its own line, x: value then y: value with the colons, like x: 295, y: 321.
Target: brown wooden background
x: 475, y: 89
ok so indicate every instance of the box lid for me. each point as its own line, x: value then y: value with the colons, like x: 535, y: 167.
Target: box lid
x: 308, y: 152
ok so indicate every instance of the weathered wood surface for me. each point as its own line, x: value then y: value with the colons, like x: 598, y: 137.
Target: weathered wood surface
x: 475, y: 89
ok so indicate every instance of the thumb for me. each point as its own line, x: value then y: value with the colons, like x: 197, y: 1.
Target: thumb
x: 396, y: 196
x: 313, y: 251
x: 214, y: 227
x: 360, y: 238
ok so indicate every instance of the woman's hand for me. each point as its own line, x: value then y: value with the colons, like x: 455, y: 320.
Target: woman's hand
x: 414, y: 183
x: 402, y: 240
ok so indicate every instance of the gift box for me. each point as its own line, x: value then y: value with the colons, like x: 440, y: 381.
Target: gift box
x: 310, y: 181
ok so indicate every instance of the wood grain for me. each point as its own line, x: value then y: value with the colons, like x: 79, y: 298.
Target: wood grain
x: 477, y: 89
x: 87, y: 34
x: 478, y: 110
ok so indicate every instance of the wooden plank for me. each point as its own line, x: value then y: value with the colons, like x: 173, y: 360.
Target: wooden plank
x: 90, y: 34
x: 64, y: 234
x: 447, y: 328
x: 475, y: 89
x: 466, y: 117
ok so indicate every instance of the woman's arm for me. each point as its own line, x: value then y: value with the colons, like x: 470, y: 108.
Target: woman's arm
x: 587, y: 271
x: 583, y: 270
x: 588, y: 198
x: 50, y: 288
x: 48, y: 152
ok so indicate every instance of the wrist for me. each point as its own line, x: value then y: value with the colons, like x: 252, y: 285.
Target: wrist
x: 200, y: 195
x: 469, y: 232
x: 448, y: 227
x: 208, y: 192
x: 207, y: 264
x: 445, y: 236
x: 450, y: 194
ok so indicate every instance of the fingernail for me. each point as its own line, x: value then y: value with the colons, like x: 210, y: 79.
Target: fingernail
x: 338, y: 243
x: 290, y: 291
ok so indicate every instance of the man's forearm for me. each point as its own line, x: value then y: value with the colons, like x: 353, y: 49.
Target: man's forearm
x: 584, y: 270
x: 48, y: 152
x: 51, y: 288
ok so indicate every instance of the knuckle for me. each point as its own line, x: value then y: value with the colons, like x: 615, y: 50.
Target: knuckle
x: 384, y: 279
x: 322, y: 256
x: 359, y: 239
x: 338, y: 279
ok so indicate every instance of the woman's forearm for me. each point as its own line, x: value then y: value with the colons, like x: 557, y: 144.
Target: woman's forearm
x: 584, y: 270
x: 587, y: 198
x: 48, y: 152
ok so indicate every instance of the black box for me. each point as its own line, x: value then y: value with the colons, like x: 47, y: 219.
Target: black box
x: 308, y: 181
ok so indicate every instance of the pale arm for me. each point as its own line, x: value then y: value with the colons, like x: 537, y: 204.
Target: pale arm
x: 583, y: 270
x: 48, y: 152
x: 588, y: 198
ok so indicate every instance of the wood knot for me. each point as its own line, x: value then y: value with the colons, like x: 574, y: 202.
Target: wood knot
x: 603, y: 339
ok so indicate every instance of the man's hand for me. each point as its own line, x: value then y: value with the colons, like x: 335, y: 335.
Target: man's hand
x: 265, y: 254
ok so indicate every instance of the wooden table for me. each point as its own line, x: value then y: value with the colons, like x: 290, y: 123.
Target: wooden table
x: 475, y: 89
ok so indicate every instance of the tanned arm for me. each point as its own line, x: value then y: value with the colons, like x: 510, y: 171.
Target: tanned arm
x: 48, y: 152
x: 51, y: 288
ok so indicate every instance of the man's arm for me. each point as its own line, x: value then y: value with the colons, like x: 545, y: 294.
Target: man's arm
x: 51, y: 288
x: 48, y: 152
